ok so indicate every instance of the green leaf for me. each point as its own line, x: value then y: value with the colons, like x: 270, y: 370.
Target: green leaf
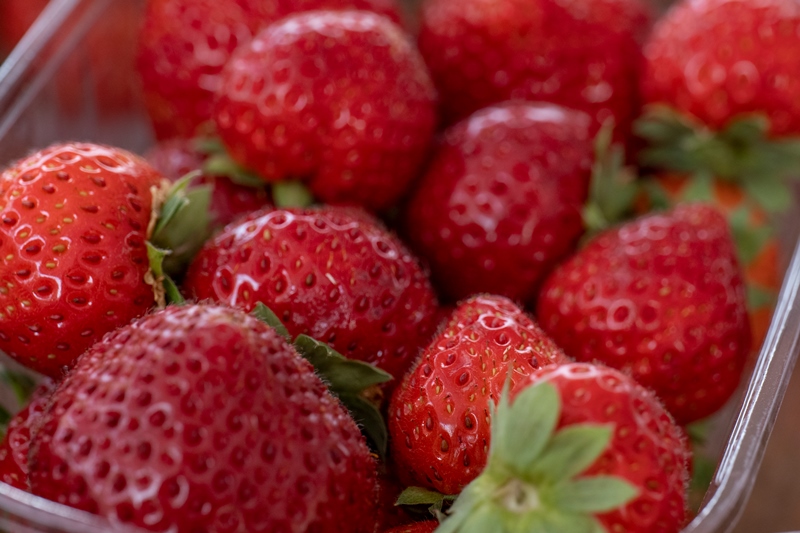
x: 291, y: 194
x: 531, y: 420
x: 703, y: 469
x: 757, y: 298
x: 175, y: 201
x: 221, y: 164
x: 343, y: 375
x: 572, y: 450
x: 484, y: 519
x: 656, y: 194
x: 209, y: 145
x: 749, y: 239
x: 162, y: 280
x: 498, y: 414
x: 421, y: 496
x: 596, y: 494
x: 266, y: 315
x: 22, y: 385
x: 699, y: 189
x: 370, y: 419
x: 771, y: 194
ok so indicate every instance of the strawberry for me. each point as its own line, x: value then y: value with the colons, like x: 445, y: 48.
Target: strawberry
x: 581, y: 448
x: 332, y: 273
x: 15, y: 444
x: 583, y: 55
x: 184, y: 44
x: 201, y: 418
x: 662, y: 298
x: 429, y: 526
x: 74, y: 224
x: 175, y: 158
x: 438, y: 414
x: 342, y: 100
x: 501, y: 202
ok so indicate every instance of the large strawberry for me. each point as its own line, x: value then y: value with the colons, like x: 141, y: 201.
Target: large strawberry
x: 76, y: 222
x: 501, y: 202
x: 342, y: 100
x: 582, y: 448
x: 583, y: 55
x: 438, y: 416
x: 184, y: 44
x: 202, y: 418
x: 333, y: 273
x: 662, y: 298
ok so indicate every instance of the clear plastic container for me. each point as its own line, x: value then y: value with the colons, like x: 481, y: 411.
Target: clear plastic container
x: 35, y: 111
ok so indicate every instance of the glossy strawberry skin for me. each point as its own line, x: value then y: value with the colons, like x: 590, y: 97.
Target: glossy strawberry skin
x: 501, y: 201
x: 585, y: 55
x: 342, y: 100
x: 648, y: 449
x: 73, y: 224
x: 333, y: 273
x: 716, y: 59
x: 438, y: 416
x: 16, y: 442
x: 184, y: 44
x: 661, y: 298
x: 193, y: 417
x: 175, y: 158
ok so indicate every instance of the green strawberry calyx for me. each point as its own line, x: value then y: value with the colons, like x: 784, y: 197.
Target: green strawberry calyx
x: 353, y: 382
x: 532, y: 480
x: 179, y: 226
x: 742, y: 153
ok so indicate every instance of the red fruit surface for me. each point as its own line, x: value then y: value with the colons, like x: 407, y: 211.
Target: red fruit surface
x: 16, y: 16
x: 342, y: 100
x: 661, y: 298
x: 335, y: 274
x: 202, y: 418
x: 184, y: 44
x: 16, y: 442
x: 389, y: 515
x: 429, y: 526
x: 438, y: 416
x: 584, y: 54
x: 501, y: 202
x: 647, y: 448
x: 73, y: 224
x: 175, y: 158
x: 716, y: 59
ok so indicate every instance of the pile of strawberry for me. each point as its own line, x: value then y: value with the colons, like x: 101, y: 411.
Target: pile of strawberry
x: 366, y: 283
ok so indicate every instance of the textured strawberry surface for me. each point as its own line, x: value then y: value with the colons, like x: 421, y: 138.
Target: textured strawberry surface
x: 202, y: 418
x: 661, y: 298
x: 429, y: 526
x: 501, y: 201
x: 73, y: 225
x: 584, y: 54
x: 341, y: 99
x: 716, y: 59
x: 333, y: 273
x: 439, y: 415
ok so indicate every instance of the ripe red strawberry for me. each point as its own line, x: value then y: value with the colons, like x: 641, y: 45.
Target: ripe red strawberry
x: 438, y: 416
x: 184, y: 44
x: 584, y: 55
x: 202, y: 418
x: 429, y: 526
x: 501, y: 202
x: 74, y: 221
x: 582, y: 448
x: 16, y: 442
x: 332, y: 273
x: 342, y: 100
x: 175, y: 158
x: 661, y: 298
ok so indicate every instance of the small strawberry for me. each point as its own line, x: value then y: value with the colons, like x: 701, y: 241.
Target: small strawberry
x: 332, y: 273
x: 342, y: 100
x: 661, y: 298
x: 201, y: 418
x: 14, y: 446
x: 176, y: 158
x: 438, y: 415
x: 581, y: 448
x: 429, y: 526
x: 76, y: 221
x: 584, y: 55
x: 184, y: 44
x: 501, y: 202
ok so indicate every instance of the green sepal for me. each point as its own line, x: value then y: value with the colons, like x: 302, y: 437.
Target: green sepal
x: 208, y: 145
x: 572, y: 450
x: 21, y: 384
x: 291, y: 194
x: 703, y: 469
x: 596, y: 494
x: 342, y: 374
x: 156, y: 256
x: 757, y: 298
x: 699, y: 189
x: 749, y: 239
x: 419, y: 496
x: 770, y: 192
x: 268, y: 316
x: 221, y: 164
x: 369, y: 418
